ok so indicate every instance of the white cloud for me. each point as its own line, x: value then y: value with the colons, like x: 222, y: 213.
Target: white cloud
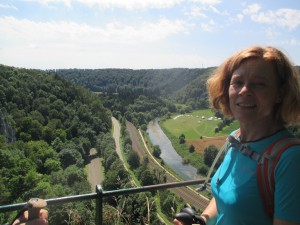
x: 207, y: 2
x: 240, y: 17
x: 131, y: 4
x: 104, y: 57
x: 283, y: 17
x: 208, y: 26
x: 68, y: 3
x: 125, y: 4
x: 204, y: 6
x: 71, y: 32
x: 7, y: 6
x: 252, y: 9
x: 196, y: 12
x: 29, y: 44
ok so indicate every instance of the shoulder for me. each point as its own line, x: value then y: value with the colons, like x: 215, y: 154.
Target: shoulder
x: 290, y: 158
x: 290, y: 143
x: 235, y: 133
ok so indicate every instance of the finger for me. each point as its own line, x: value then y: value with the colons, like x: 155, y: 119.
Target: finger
x: 38, y: 221
x: 176, y: 222
x: 22, y: 219
x: 43, y: 214
x: 43, y: 217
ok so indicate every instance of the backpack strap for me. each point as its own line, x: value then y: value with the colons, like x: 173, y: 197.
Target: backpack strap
x: 244, y: 149
x: 266, y: 169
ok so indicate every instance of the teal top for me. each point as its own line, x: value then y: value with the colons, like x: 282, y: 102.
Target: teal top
x: 237, y: 193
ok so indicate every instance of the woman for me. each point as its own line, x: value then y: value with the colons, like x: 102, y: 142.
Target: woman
x: 258, y: 87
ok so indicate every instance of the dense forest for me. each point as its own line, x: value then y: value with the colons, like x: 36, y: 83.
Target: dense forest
x: 48, y: 126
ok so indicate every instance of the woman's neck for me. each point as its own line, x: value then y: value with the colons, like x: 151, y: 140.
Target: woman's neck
x: 249, y: 132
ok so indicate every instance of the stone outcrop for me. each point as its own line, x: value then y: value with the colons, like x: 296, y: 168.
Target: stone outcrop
x: 5, y: 127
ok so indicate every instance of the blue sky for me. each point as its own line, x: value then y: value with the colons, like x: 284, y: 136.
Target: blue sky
x: 142, y: 34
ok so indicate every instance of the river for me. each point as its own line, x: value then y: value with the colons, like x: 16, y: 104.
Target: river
x: 168, y: 153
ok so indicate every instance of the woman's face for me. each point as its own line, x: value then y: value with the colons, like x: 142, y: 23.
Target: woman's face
x: 254, y: 92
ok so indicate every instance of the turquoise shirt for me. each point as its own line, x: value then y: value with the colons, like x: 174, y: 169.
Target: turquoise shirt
x: 237, y: 193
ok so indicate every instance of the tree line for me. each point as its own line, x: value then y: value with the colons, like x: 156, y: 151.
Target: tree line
x: 180, y: 85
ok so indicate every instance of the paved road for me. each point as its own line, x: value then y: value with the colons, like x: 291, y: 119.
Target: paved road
x: 189, y: 195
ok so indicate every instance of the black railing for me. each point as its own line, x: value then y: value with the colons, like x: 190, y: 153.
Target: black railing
x: 100, y: 194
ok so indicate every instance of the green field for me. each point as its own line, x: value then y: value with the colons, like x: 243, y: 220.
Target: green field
x: 196, y: 124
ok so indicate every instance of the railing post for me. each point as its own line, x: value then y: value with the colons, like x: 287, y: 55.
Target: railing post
x: 99, y: 205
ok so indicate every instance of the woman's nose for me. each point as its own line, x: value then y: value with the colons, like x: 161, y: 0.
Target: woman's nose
x: 245, y: 89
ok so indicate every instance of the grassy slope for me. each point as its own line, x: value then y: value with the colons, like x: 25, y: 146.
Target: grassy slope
x: 193, y: 127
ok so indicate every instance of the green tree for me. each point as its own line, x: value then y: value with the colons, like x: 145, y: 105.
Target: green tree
x: 32, y: 129
x: 147, y: 178
x: 182, y: 139
x: 70, y: 157
x: 48, y: 134
x: 156, y: 151
x: 191, y: 148
x: 210, y: 154
x: 133, y: 159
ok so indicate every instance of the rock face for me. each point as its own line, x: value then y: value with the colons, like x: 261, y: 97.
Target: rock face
x: 5, y: 128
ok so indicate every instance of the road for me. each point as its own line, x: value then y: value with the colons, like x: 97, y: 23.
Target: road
x: 95, y: 175
x: 116, y: 135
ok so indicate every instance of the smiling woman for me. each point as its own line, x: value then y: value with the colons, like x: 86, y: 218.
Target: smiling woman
x: 258, y: 87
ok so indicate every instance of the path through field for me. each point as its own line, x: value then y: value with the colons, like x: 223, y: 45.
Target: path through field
x: 94, y: 170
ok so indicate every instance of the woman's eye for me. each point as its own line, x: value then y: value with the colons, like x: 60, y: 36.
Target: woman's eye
x: 260, y: 84
x: 237, y: 83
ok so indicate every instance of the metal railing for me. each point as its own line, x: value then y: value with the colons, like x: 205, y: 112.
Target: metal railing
x: 100, y: 194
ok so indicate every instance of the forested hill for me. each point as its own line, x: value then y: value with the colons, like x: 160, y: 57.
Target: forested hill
x: 37, y: 100
x: 167, y: 83
x: 55, y: 123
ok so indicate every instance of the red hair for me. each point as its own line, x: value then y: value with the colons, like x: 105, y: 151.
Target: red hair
x: 288, y: 111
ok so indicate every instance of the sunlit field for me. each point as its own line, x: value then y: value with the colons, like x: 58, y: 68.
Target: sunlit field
x: 200, y: 123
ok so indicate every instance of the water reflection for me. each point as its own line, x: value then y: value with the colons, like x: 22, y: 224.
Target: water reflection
x: 168, y: 153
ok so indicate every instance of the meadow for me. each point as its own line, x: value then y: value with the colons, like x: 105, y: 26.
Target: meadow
x: 197, y: 124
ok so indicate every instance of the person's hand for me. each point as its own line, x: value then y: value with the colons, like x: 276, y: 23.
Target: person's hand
x: 176, y: 222
x: 42, y: 220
